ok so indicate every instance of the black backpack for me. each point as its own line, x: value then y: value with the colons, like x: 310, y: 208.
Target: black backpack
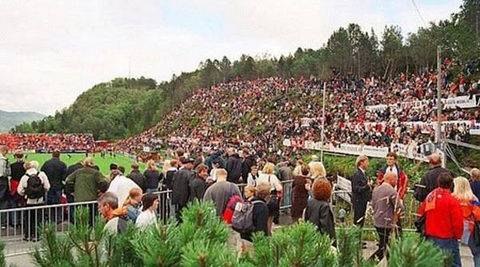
x: 34, y: 189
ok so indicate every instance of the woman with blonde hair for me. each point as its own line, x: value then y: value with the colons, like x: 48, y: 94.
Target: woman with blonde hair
x: 133, y: 203
x: 317, y: 170
x: 276, y: 190
x: 463, y: 193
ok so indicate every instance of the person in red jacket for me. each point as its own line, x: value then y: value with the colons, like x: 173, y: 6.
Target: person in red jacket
x: 444, y: 218
x: 392, y: 166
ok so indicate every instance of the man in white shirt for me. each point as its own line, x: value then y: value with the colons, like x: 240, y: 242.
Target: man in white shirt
x: 121, y: 186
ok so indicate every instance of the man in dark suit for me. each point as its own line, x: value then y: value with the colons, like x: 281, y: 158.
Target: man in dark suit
x: 181, y: 185
x: 361, y: 191
x: 429, y: 181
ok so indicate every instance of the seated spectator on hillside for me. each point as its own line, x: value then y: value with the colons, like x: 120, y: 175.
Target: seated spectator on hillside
x: 221, y: 191
x: 148, y: 216
x: 108, y: 208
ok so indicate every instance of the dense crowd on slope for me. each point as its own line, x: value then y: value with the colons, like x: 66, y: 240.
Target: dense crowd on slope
x: 48, y: 142
x: 263, y: 112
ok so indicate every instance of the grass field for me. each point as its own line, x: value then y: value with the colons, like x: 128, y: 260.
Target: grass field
x: 70, y: 159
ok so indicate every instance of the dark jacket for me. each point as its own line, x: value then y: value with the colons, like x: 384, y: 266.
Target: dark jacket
x: 56, y: 172
x: 247, y: 163
x: 299, y: 195
x: 18, y: 170
x: 361, y: 191
x: 428, y: 183
x: 198, y: 186
x: 234, y: 168
x: 72, y: 168
x: 319, y: 213
x: 86, y: 183
x: 169, y: 178
x: 152, y: 179
x: 260, y: 218
x: 181, y: 187
x: 139, y: 179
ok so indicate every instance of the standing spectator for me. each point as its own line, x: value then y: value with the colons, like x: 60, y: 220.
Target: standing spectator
x: 234, y: 167
x: 86, y: 182
x: 386, y: 207
x: 475, y: 181
x: 221, y: 191
x: 260, y: 210
x: 248, y: 162
x: 152, y: 177
x: 430, y: 181
x: 16, y: 201
x: 276, y: 190
x: 72, y: 168
x: 138, y: 177
x: 121, y: 186
x: 4, y: 186
x: 317, y: 170
x: 170, y: 173
x: 198, y: 186
x: 149, y: 210
x: 284, y: 171
x: 392, y: 167
x: 108, y: 207
x: 33, y: 186
x: 56, y: 172
x: 443, y: 217
x: 463, y: 193
x: 361, y: 191
x: 253, y: 176
x: 301, y: 186
x: 318, y: 209
x: 180, y: 185
x: 133, y: 204
x: 216, y: 165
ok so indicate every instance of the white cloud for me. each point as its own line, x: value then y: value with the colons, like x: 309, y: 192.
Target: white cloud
x: 51, y: 51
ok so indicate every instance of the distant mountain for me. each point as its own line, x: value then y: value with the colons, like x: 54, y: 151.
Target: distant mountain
x: 8, y: 120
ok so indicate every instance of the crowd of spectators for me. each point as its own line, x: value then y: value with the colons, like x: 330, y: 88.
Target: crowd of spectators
x: 264, y: 112
x: 48, y: 142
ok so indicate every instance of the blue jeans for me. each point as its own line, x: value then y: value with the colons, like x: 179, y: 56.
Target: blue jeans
x: 53, y: 197
x: 450, y: 246
x: 475, y: 251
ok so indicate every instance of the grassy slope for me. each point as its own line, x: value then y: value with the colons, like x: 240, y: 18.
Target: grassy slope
x: 103, y: 163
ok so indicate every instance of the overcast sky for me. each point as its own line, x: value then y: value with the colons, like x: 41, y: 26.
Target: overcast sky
x: 51, y: 51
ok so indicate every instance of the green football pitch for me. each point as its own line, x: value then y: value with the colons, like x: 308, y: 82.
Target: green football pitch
x: 102, y: 162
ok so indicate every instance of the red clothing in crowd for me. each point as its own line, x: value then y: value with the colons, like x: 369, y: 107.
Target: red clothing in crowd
x: 444, y: 217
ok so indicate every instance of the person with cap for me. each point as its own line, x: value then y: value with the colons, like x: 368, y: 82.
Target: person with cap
x: 138, y: 177
x: 430, y: 181
x: 181, y: 185
x: 4, y: 185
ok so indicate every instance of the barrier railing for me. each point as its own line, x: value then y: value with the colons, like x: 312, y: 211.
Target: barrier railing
x: 20, y: 227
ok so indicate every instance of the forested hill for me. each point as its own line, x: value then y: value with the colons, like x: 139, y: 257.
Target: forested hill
x: 10, y: 119
x: 124, y: 107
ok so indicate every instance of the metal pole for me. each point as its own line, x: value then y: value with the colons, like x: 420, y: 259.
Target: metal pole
x: 438, y: 129
x: 322, y: 137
